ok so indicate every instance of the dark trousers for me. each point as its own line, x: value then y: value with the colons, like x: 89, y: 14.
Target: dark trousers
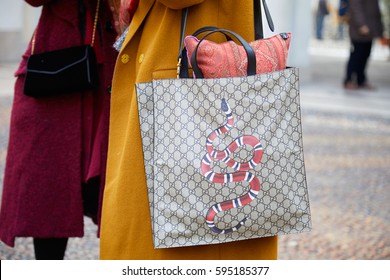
x: 356, y: 67
x: 319, y: 26
x: 50, y: 248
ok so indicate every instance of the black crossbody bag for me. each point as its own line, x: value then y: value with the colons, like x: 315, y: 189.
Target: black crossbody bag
x: 62, y: 71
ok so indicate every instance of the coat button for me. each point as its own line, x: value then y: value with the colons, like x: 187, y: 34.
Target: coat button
x: 141, y: 58
x: 125, y: 58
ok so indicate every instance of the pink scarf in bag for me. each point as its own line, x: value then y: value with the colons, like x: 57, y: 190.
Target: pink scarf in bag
x: 123, y: 11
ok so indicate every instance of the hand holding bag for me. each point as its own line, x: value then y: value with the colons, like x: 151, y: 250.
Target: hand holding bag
x: 62, y: 71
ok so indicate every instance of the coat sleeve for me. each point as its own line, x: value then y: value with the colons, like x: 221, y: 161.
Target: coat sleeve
x: 180, y: 4
x: 37, y: 3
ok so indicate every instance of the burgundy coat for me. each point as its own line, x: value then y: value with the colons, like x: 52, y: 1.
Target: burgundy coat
x: 57, y: 144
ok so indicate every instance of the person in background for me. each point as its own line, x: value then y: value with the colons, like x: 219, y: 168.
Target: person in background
x: 386, y: 21
x: 343, y: 10
x: 342, y: 19
x: 364, y: 26
x: 150, y: 52
x: 322, y: 12
x: 56, y: 159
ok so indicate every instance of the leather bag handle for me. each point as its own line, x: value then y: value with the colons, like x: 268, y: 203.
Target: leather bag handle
x: 182, y: 67
x: 182, y: 63
x: 251, y: 67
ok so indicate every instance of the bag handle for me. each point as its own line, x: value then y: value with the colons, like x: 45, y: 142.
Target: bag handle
x: 179, y: 70
x: 251, y: 67
x: 182, y: 67
x: 182, y: 63
x: 93, y: 31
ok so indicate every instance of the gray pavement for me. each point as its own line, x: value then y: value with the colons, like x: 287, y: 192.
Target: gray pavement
x: 347, y: 158
x: 347, y: 155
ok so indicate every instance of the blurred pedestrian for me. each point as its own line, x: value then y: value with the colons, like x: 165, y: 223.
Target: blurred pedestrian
x: 55, y: 166
x: 364, y: 26
x: 342, y: 19
x: 322, y: 12
x: 343, y: 9
x: 150, y: 52
x: 386, y: 21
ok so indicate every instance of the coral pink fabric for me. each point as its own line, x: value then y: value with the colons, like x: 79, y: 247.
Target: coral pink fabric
x: 126, y: 13
x: 228, y: 59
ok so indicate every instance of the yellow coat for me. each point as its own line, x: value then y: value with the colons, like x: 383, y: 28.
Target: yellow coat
x: 150, y: 52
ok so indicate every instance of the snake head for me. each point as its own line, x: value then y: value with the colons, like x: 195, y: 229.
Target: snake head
x: 225, y: 106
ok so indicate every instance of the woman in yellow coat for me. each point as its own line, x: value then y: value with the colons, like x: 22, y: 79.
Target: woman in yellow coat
x: 150, y: 52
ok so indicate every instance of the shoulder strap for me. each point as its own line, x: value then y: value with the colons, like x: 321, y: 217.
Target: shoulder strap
x: 259, y: 33
x: 95, y: 21
x: 182, y: 64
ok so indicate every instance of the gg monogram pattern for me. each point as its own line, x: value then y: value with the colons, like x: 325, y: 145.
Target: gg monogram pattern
x: 178, y: 115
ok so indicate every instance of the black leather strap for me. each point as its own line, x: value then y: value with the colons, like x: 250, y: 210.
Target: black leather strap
x: 183, y: 71
x: 259, y: 33
x: 208, y: 29
x: 251, y: 68
x: 183, y: 25
x: 268, y: 16
x: 182, y: 63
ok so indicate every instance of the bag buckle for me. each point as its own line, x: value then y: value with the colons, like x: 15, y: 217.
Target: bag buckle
x: 178, y: 68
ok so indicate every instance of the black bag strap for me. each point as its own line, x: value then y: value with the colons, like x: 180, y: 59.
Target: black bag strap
x: 181, y: 65
x: 259, y: 32
x: 251, y: 67
x: 183, y: 25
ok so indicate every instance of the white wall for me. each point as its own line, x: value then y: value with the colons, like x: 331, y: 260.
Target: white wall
x: 17, y: 23
x: 294, y: 16
x: 10, y: 15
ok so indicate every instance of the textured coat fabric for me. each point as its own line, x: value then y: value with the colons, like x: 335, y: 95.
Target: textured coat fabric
x: 365, y: 12
x: 150, y: 52
x: 57, y: 144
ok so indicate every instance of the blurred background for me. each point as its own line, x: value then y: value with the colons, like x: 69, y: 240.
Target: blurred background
x: 346, y: 134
